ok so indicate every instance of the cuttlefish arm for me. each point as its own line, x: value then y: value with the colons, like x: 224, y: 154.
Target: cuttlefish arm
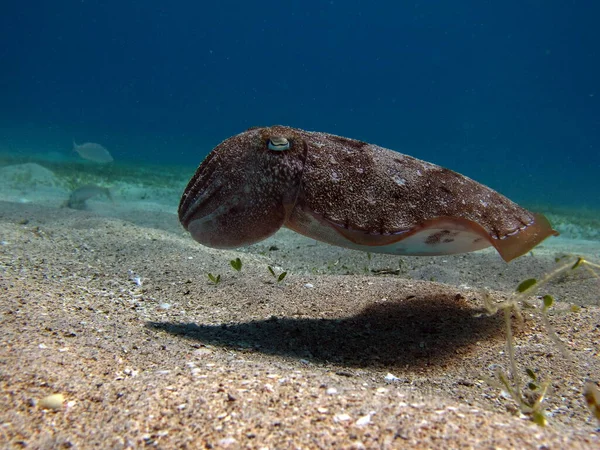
x: 351, y: 194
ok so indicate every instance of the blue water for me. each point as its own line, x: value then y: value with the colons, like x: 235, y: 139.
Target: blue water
x: 505, y: 92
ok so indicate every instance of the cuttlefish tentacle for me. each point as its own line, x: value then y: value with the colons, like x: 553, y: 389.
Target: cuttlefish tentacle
x: 348, y: 193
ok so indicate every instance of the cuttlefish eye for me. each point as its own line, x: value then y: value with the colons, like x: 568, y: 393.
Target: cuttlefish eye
x: 278, y: 143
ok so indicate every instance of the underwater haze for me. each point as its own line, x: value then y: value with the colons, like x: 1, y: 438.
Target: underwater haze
x: 507, y: 93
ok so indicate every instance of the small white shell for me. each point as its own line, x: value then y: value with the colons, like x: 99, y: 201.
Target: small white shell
x: 53, y: 402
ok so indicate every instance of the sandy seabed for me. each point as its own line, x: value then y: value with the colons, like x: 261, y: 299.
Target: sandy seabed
x: 112, y: 308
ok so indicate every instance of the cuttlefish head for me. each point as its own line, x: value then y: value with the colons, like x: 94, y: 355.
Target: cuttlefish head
x: 245, y: 188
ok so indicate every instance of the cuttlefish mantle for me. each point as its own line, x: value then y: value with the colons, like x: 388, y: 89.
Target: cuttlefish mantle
x: 348, y: 193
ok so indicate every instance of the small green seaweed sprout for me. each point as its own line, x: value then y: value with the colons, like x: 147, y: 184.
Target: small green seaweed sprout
x: 279, y: 277
x: 532, y: 404
x: 367, y: 267
x: 214, y: 279
x: 236, y: 264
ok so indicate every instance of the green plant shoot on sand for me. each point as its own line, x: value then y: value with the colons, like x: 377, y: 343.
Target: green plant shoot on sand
x: 214, y: 279
x: 236, y: 264
x: 532, y: 405
x: 280, y: 277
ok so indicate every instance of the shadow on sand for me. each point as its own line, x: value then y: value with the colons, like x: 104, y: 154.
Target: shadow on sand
x: 413, y: 333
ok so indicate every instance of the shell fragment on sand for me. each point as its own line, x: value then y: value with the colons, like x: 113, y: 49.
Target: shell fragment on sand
x: 53, y: 402
x: 93, y: 152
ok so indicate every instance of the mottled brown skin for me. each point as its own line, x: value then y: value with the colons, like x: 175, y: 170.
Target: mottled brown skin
x: 248, y: 188
x: 348, y: 193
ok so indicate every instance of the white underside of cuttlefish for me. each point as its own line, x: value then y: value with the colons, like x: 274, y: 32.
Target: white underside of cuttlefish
x: 348, y: 193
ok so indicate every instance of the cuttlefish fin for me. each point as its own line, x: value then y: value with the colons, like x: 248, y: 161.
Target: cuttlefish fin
x: 522, y: 241
x: 439, y: 236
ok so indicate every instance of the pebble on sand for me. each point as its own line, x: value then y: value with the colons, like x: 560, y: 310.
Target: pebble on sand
x: 53, y: 402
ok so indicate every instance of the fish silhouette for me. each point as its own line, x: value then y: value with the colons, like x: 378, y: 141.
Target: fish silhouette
x: 93, y: 152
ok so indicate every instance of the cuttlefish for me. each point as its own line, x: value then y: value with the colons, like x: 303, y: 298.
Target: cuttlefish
x: 348, y: 193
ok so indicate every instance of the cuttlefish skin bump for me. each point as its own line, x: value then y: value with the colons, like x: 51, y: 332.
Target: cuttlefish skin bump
x: 348, y: 193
